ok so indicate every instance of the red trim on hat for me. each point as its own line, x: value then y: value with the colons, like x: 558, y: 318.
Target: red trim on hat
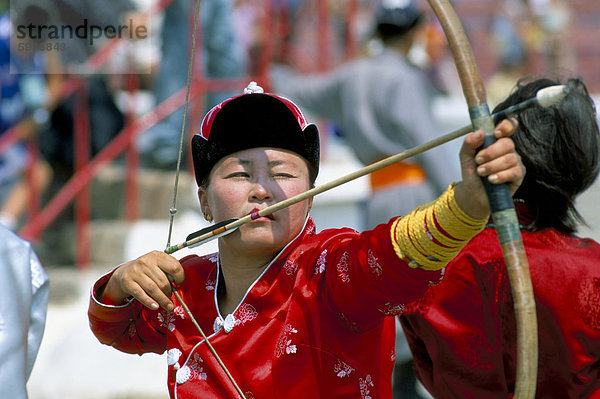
x: 210, y: 116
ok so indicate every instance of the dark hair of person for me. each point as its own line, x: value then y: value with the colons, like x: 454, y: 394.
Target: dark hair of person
x: 391, y: 24
x: 560, y: 149
x: 388, y: 32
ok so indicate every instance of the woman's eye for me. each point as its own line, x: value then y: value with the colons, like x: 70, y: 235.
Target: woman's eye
x: 283, y: 175
x: 238, y: 175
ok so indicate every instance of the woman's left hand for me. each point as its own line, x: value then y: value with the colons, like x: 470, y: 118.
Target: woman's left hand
x: 499, y: 163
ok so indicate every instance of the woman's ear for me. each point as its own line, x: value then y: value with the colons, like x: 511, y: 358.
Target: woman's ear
x: 309, y: 206
x: 204, y: 207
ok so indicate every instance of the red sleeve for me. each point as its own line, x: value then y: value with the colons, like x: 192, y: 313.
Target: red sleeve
x: 130, y: 328
x: 455, y: 332
x: 366, y: 280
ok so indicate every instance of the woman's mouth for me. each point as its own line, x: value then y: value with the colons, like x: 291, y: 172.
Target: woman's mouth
x: 254, y: 215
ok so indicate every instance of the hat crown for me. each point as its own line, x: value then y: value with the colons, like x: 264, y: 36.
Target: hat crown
x: 401, y: 13
x: 252, y: 89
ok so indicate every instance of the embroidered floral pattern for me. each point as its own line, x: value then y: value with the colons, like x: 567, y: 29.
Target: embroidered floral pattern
x: 364, y: 384
x: 477, y: 352
x: 290, y: 267
x: 342, y: 369
x: 132, y: 330
x: 589, y: 302
x: 180, y: 312
x: 167, y: 319
x: 342, y: 268
x: 191, y: 370
x: 38, y: 276
x: 391, y: 309
x: 373, y: 264
x: 320, y: 267
x: 285, y: 346
x: 245, y: 313
x: 195, y: 364
x: 210, y: 285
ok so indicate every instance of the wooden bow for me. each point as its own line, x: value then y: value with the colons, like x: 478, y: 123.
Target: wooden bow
x: 503, y: 211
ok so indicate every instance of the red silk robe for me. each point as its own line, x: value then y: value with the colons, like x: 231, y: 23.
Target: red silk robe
x: 315, y: 324
x: 463, y: 336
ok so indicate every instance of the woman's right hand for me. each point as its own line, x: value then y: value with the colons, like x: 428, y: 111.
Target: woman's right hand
x: 145, y: 280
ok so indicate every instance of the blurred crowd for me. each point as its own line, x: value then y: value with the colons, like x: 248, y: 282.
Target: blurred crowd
x: 49, y: 80
x: 237, y: 40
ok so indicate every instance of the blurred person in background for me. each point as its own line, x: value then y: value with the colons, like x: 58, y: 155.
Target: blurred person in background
x: 24, y: 288
x: 509, y: 28
x: 462, y: 332
x: 555, y: 20
x: 105, y: 118
x: 381, y: 105
x: 222, y: 56
x: 30, y: 83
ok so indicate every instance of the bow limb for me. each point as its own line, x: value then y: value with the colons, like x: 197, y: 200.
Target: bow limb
x: 503, y: 211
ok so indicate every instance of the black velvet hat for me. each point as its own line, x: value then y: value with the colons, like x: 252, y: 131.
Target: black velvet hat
x: 254, y: 119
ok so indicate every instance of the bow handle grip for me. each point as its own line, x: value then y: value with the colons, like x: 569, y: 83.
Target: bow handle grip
x: 499, y: 195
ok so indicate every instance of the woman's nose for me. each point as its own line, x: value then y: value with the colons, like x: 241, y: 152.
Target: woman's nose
x: 260, y: 190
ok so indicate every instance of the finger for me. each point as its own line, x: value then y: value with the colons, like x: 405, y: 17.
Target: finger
x: 157, y: 263
x: 470, y: 145
x: 161, y: 280
x: 513, y: 176
x: 141, y: 296
x: 500, y: 164
x: 154, y: 291
x: 506, y: 128
x: 500, y: 148
x: 172, y: 268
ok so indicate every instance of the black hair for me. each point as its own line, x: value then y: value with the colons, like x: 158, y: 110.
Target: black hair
x: 560, y: 149
x: 392, y: 23
x: 387, y: 32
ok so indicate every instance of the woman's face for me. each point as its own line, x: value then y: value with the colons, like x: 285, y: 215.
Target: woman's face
x: 249, y: 181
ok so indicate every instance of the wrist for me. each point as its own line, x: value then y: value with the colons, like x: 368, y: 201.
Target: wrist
x: 111, y: 294
x: 469, y: 203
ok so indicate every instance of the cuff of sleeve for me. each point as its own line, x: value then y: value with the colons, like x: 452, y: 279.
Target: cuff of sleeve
x: 106, y: 302
x: 433, y: 234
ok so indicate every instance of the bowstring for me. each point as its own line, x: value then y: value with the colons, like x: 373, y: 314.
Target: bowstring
x: 173, y: 208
